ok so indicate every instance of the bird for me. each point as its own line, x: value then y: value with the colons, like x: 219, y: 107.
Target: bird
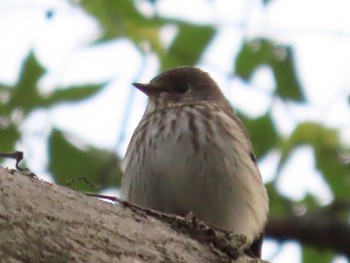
x: 190, y: 153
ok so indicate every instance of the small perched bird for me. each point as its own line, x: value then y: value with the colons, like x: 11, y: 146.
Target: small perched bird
x: 191, y: 153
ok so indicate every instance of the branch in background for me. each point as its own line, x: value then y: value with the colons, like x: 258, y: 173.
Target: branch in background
x: 321, y: 232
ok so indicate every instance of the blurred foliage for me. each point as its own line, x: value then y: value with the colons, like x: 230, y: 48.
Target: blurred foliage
x: 281, y: 205
x: 313, y: 255
x: 328, y: 151
x: 78, y: 162
x: 259, y: 52
x: 261, y: 127
x: 181, y: 51
x: 69, y: 162
x: 25, y: 97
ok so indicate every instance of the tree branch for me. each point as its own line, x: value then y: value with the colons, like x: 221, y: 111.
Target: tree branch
x: 322, y: 232
x: 43, y: 222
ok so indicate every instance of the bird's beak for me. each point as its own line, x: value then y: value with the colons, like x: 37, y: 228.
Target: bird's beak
x: 145, y: 88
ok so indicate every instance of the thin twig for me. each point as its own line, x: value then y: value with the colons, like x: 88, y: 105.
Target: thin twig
x: 17, y: 155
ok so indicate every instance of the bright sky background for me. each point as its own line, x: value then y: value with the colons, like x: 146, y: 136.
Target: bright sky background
x: 318, y: 30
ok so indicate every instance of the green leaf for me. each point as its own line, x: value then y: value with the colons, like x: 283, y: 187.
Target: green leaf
x: 259, y: 52
x: 312, y: 133
x: 23, y: 98
x: 288, y: 86
x: 308, y: 204
x: 328, y: 149
x: 183, y: 51
x: 279, y: 205
x: 252, y: 55
x: 122, y: 19
x: 69, y: 163
x: 72, y: 94
x: 110, y: 15
x: 25, y: 95
x: 311, y: 255
x: 6, y: 108
x: 9, y: 137
x: 336, y: 173
x: 262, y: 133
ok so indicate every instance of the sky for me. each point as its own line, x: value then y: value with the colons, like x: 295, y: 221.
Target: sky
x: 318, y: 31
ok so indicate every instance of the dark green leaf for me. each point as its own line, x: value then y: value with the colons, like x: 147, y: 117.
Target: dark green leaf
x: 336, y: 173
x: 122, y: 19
x: 307, y: 204
x: 5, y: 107
x: 69, y: 163
x: 8, y: 138
x: 252, y: 55
x: 288, y: 86
x: 279, y: 205
x: 311, y: 255
x: 72, y: 94
x: 110, y: 15
x: 25, y: 95
x: 261, y: 52
x: 262, y: 134
x: 183, y: 51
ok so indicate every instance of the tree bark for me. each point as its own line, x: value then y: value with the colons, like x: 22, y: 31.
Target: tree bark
x: 44, y: 222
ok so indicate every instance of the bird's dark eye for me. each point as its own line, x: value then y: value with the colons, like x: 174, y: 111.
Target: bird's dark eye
x: 181, y: 88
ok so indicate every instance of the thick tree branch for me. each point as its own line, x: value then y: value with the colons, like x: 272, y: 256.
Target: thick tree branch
x: 43, y: 222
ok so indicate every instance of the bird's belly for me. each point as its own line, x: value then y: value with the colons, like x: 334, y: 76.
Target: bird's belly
x: 179, y: 178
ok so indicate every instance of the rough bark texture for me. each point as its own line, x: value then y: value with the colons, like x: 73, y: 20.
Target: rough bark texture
x: 43, y: 222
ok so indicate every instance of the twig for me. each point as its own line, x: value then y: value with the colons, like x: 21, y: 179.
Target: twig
x: 84, y: 179
x: 17, y: 155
